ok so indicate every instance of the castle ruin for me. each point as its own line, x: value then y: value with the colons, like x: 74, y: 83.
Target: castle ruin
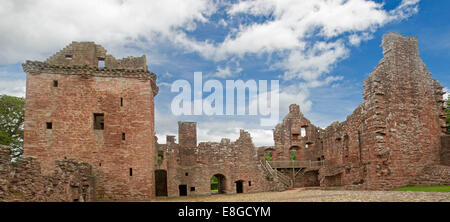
x: 84, y: 105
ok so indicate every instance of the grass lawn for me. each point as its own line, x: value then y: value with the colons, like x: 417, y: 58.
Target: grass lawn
x: 433, y: 189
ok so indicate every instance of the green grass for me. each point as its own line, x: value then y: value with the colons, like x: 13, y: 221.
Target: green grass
x: 432, y: 189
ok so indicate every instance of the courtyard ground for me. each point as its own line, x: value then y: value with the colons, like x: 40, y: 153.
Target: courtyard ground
x: 316, y: 195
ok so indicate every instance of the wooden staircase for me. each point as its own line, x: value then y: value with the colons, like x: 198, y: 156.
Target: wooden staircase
x: 277, y: 175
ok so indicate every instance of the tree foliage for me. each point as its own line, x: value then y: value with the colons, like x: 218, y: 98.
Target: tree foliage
x: 293, y: 154
x: 268, y: 156
x: 12, y: 111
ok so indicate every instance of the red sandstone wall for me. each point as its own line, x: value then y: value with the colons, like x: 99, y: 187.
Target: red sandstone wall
x: 69, y: 181
x: 123, y: 168
x: 70, y: 108
x: 395, y: 132
x: 287, y: 136
x: 234, y: 160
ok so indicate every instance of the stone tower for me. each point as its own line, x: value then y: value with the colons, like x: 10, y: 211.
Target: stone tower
x: 84, y: 104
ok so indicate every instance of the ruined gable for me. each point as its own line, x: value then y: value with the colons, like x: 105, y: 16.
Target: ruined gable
x: 389, y: 138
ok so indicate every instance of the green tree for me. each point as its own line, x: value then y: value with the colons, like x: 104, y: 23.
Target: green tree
x: 12, y: 111
x: 268, y: 156
x: 293, y: 154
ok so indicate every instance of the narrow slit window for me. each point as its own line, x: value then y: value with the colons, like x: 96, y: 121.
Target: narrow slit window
x: 249, y: 183
x: 49, y: 125
x: 55, y: 83
x: 99, y: 121
x: 123, y: 136
x: 131, y: 172
x: 121, y: 101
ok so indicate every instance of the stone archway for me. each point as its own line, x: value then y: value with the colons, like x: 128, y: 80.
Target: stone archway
x: 268, y: 154
x: 294, y: 152
x: 218, y: 183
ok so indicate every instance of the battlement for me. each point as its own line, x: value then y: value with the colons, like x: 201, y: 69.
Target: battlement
x: 88, y: 59
x: 91, y: 54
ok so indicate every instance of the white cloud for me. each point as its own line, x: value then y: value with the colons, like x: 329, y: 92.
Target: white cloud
x: 165, y: 124
x: 447, y: 93
x: 214, y: 131
x: 12, y: 87
x: 226, y: 72
x: 37, y: 28
x: 309, y: 36
x: 356, y: 39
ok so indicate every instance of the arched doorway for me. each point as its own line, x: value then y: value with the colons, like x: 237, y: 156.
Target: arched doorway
x: 239, y: 186
x: 293, y: 152
x: 217, y: 184
x: 268, y: 154
x: 160, y: 183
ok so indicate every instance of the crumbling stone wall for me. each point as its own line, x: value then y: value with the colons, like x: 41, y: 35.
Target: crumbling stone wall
x: 70, y: 180
x: 392, y: 136
x: 67, y: 90
x: 433, y: 175
x: 288, y: 136
x: 194, y: 166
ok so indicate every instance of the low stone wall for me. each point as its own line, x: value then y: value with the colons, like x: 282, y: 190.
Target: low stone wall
x: 435, y: 175
x: 70, y: 181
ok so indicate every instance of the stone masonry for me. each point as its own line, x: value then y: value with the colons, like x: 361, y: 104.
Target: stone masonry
x: 391, y: 138
x: 84, y: 104
x: 191, y: 165
x: 69, y: 181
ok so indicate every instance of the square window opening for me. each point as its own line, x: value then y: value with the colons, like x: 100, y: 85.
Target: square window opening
x: 99, y: 121
x: 101, y: 63
x: 192, y: 189
x: 49, y: 125
x: 55, y: 83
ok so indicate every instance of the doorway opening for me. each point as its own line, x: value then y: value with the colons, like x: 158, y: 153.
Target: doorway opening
x: 218, y: 184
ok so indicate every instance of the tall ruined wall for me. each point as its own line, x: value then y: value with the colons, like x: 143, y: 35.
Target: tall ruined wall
x: 288, y: 136
x: 187, y: 134
x: 236, y: 161
x: 122, y: 153
x: 394, y: 133
x: 69, y: 180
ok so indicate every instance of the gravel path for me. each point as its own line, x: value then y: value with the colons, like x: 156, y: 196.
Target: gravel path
x: 302, y: 195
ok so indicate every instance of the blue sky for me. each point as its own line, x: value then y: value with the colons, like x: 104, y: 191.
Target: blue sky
x: 320, y: 51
